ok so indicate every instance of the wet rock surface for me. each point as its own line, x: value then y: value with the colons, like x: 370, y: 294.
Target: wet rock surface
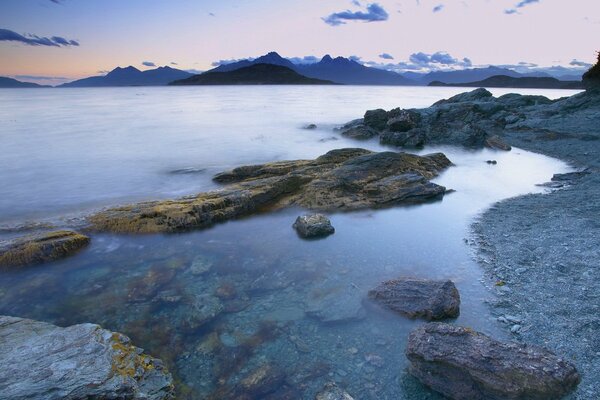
x: 313, y: 226
x: 344, y: 179
x: 418, y: 298
x: 43, y: 361
x: 41, y: 248
x: 464, y: 364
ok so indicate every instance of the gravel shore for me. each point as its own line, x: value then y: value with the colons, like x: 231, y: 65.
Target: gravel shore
x: 542, y: 252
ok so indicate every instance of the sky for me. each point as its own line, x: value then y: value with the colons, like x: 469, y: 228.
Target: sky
x: 53, y: 41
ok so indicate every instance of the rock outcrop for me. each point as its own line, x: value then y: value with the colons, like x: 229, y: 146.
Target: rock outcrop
x: 43, y: 361
x: 418, y: 298
x: 466, y: 365
x: 472, y: 119
x: 344, y: 179
x: 313, y: 226
x: 41, y: 248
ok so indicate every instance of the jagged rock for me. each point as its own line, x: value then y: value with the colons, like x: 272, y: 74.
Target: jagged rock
x: 40, y: 248
x: 40, y: 361
x: 344, y: 179
x: 418, y: 298
x: 466, y: 365
x: 333, y: 392
x: 495, y: 142
x: 313, y: 226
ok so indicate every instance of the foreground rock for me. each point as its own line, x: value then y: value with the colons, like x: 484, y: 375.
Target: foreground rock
x: 463, y: 364
x: 418, y: 298
x: 333, y: 392
x: 344, y: 179
x: 43, y: 361
x: 313, y: 226
x: 41, y: 248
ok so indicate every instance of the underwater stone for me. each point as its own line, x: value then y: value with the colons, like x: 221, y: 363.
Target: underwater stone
x: 40, y: 361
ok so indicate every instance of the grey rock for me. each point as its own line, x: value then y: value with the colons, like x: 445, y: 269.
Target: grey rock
x: 333, y: 392
x: 40, y: 361
x: 466, y: 365
x: 418, y: 298
x: 313, y: 226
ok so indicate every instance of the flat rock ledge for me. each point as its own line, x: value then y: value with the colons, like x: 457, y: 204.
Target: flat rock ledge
x: 313, y: 226
x: 466, y: 365
x: 342, y: 180
x: 418, y: 298
x: 40, y: 248
x: 43, y: 361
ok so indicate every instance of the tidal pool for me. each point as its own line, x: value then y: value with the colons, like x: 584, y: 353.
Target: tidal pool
x: 217, y: 304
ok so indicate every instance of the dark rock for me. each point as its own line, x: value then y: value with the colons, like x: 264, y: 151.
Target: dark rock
x: 466, y: 365
x: 314, y: 225
x: 333, y: 392
x: 418, y: 298
x: 43, y: 361
x: 41, y: 248
x: 344, y: 179
x: 495, y: 142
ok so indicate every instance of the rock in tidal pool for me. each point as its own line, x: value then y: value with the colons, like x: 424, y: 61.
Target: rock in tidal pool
x: 418, y: 298
x: 466, y: 365
x: 313, y: 226
x: 341, y: 180
x: 40, y: 248
x: 43, y: 361
x: 333, y: 392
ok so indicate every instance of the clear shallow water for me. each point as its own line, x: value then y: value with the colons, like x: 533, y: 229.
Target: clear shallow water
x: 71, y: 150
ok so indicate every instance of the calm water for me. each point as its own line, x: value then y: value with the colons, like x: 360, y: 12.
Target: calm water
x: 216, y: 304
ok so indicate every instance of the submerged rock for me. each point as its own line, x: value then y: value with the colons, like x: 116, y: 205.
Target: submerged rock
x: 466, y: 365
x: 418, y: 298
x: 43, y: 361
x: 344, y: 179
x: 333, y: 392
x: 313, y: 226
x: 40, y: 248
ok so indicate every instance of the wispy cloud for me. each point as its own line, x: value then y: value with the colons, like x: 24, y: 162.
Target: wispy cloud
x: 520, y: 4
x: 373, y: 13
x: 148, y: 64
x: 438, y: 8
x: 386, y: 56
x: 7, y: 35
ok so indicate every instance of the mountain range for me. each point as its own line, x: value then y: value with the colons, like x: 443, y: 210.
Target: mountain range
x: 131, y: 76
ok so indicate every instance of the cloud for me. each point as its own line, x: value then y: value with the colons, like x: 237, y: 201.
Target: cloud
x: 520, y: 4
x: 577, y: 63
x: 148, y: 64
x: 34, y: 40
x: 374, y: 13
x: 438, y: 8
x: 386, y: 56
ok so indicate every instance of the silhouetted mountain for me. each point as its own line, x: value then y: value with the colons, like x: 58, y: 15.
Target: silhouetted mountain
x: 131, y: 76
x: 338, y: 70
x: 13, y: 83
x: 503, y: 81
x: 256, y: 74
x: 468, y: 75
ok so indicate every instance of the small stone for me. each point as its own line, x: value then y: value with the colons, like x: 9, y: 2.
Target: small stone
x: 313, y: 226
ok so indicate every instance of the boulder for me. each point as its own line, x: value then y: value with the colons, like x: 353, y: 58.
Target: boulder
x: 495, y: 142
x: 331, y: 391
x: 43, y: 361
x: 418, y: 298
x: 466, y: 365
x: 341, y: 180
x: 40, y: 248
x: 313, y: 226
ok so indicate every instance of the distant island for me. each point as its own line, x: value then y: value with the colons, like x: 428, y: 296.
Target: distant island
x: 13, y: 84
x: 131, y: 76
x: 504, y: 81
x: 256, y: 74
